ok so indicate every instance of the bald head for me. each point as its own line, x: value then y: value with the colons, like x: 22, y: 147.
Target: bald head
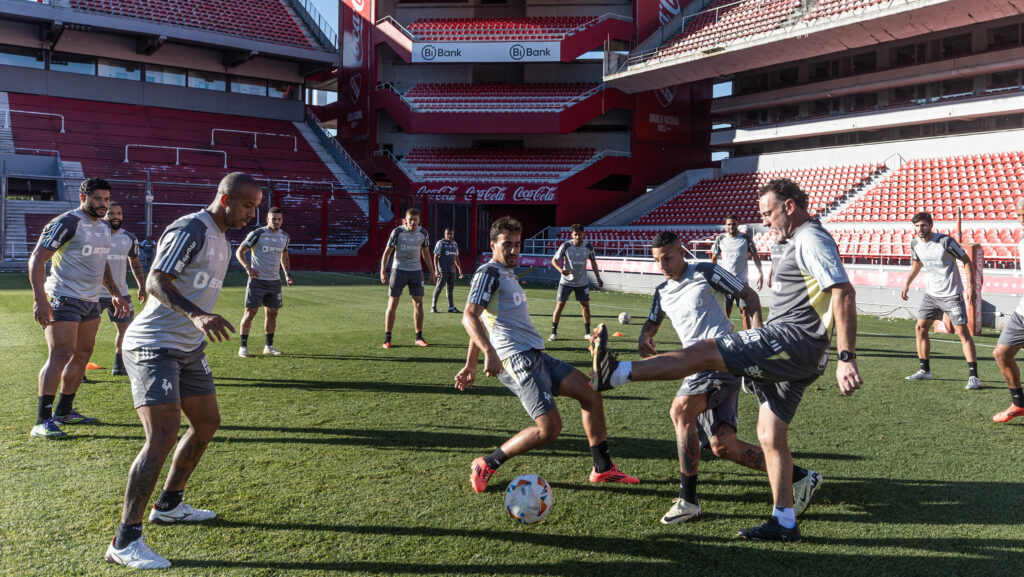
x: 238, y: 198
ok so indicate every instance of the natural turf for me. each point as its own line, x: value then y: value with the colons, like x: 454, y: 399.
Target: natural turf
x: 344, y: 458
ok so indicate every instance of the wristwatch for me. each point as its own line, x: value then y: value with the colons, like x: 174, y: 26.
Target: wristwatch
x: 847, y: 356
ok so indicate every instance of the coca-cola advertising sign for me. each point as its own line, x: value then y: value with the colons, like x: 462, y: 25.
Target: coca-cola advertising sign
x: 518, y: 193
x: 356, y: 78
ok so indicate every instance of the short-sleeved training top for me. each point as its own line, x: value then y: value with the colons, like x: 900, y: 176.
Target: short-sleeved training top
x: 695, y: 303
x: 81, y: 246
x: 939, y: 258
x: 734, y: 251
x: 1020, y: 253
x: 576, y: 261
x: 196, y: 252
x: 123, y: 246
x: 506, y: 313
x: 407, y: 245
x: 447, y: 252
x: 266, y: 246
x: 806, y: 267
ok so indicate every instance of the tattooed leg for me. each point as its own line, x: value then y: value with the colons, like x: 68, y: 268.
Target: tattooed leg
x: 161, y: 423
x: 727, y: 445
x: 684, y: 414
x: 203, y: 418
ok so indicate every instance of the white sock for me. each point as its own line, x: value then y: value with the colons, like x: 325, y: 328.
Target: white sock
x: 622, y: 373
x: 786, y: 516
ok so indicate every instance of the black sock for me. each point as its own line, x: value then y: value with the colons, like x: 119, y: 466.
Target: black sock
x: 64, y: 404
x: 118, y: 361
x: 270, y: 339
x: 602, y: 458
x: 419, y: 335
x: 496, y: 459
x: 1017, y: 395
x: 926, y: 365
x: 554, y: 328
x: 972, y: 369
x: 245, y: 340
x: 387, y: 336
x: 688, y: 488
x: 45, y: 410
x: 126, y: 534
x: 798, y: 473
x: 586, y: 328
x: 169, y: 500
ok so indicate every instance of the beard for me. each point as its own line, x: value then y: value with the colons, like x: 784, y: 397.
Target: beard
x: 95, y: 211
x: 114, y: 224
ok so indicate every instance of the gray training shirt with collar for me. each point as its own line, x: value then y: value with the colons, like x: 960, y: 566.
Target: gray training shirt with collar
x: 123, y: 246
x: 696, y: 302
x: 939, y: 258
x: 506, y: 313
x: 81, y: 245
x: 734, y: 251
x: 407, y: 245
x: 576, y: 261
x: 266, y: 246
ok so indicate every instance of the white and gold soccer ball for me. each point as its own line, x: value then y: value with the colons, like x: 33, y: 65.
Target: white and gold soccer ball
x: 624, y: 318
x: 528, y: 499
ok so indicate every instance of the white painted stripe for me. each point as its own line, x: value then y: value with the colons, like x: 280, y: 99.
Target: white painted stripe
x: 932, y: 339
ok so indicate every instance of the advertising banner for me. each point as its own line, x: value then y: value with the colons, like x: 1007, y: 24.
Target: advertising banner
x: 356, y: 79
x: 489, y: 193
x: 426, y: 52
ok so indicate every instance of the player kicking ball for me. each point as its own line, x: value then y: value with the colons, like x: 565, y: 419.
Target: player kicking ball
x: 1010, y: 342
x: 497, y: 319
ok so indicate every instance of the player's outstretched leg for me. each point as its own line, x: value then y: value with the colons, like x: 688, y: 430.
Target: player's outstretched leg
x: 546, y: 429
x: 577, y: 386
x: 1004, y: 356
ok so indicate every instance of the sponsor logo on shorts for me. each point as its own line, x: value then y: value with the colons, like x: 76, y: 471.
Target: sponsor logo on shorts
x: 775, y: 345
x: 749, y: 337
x: 206, y: 366
x: 754, y: 371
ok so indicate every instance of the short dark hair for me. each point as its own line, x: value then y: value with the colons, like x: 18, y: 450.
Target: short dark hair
x: 577, y: 228
x: 89, y: 186
x: 505, y: 225
x: 664, y: 238
x: 449, y: 229
x: 275, y: 210
x: 785, y: 189
x: 114, y: 203
x: 235, y: 181
x: 412, y: 211
x: 732, y: 217
x: 926, y: 216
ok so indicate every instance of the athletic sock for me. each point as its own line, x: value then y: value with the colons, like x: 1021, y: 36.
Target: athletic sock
x: 623, y: 373
x: 798, y: 473
x: 270, y: 339
x: 972, y: 369
x: 785, y: 515
x: 602, y: 457
x: 1017, y: 396
x: 419, y: 335
x: 64, y: 404
x: 118, y: 361
x: 554, y: 328
x: 127, y: 534
x: 926, y: 365
x: 45, y: 409
x: 586, y: 328
x: 496, y: 459
x: 387, y: 336
x: 169, y: 500
x: 245, y: 340
x: 688, y: 487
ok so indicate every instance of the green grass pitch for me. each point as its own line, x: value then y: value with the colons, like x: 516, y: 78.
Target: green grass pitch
x: 341, y: 458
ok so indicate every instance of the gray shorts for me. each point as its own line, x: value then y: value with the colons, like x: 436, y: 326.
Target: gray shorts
x: 161, y: 375
x: 402, y: 278
x: 723, y: 392
x: 932, y: 308
x: 1013, y: 332
x: 582, y: 293
x: 534, y: 376
x: 265, y: 293
x: 75, y: 310
x: 107, y: 304
x: 779, y: 360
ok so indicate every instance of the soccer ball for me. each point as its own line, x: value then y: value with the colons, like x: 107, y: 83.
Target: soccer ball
x: 624, y: 318
x: 528, y: 499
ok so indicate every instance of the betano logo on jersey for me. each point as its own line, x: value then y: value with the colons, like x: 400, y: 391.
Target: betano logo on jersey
x: 89, y: 250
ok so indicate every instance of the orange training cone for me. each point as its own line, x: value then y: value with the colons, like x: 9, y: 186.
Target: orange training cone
x: 92, y: 367
x: 618, y: 335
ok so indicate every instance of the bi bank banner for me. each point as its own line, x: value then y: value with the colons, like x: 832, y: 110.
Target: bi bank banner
x: 427, y: 52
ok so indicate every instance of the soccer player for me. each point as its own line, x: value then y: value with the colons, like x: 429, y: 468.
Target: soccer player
x: 124, y: 248
x: 269, y: 246
x: 732, y: 248
x: 408, y: 243
x: 937, y: 254
x: 1010, y: 342
x: 446, y: 263
x: 574, y: 280
x: 705, y: 410
x: 514, y: 352
x: 67, y: 302
x: 812, y: 297
x: 168, y: 368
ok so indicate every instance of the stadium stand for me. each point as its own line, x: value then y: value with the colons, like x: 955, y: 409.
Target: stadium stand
x: 829, y: 8
x: 496, y: 97
x: 487, y: 164
x: 613, y: 241
x: 495, y: 29
x: 265, y: 20
x: 728, y: 20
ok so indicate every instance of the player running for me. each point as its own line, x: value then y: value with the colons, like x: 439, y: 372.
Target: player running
x: 514, y: 352
x: 408, y: 243
x: 124, y: 248
x: 813, y: 296
x: 573, y: 278
x: 1010, y: 342
x: 168, y: 367
x: 937, y: 254
x: 446, y: 263
x: 67, y: 303
x: 269, y: 247
x: 732, y: 248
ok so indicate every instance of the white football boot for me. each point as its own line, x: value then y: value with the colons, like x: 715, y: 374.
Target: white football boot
x: 269, y: 350
x: 681, y: 511
x: 920, y: 375
x: 136, y: 555
x: 181, y: 514
x: 804, y: 490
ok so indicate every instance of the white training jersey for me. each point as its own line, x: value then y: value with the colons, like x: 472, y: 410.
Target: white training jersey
x: 733, y: 251
x: 939, y: 256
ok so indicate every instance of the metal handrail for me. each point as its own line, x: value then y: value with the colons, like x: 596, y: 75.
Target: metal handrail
x: 177, y: 151
x: 398, y: 25
x: 391, y: 87
x: 334, y: 145
x: 560, y: 106
x: 598, y: 20
x: 321, y: 22
x: 7, y: 116
x: 255, y: 136
x: 54, y: 152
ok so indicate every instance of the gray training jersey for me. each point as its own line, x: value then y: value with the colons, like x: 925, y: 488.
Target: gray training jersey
x: 266, y: 247
x: 81, y: 245
x: 939, y: 258
x: 447, y: 252
x: 807, y: 266
x: 195, y: 251
x: 576, y: 261
x: 407, y: 245
x: 733, y: 251
x: 506, y: 314
x: 696, y: 302
x: 123, y: 246
x: 1020, y: 254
